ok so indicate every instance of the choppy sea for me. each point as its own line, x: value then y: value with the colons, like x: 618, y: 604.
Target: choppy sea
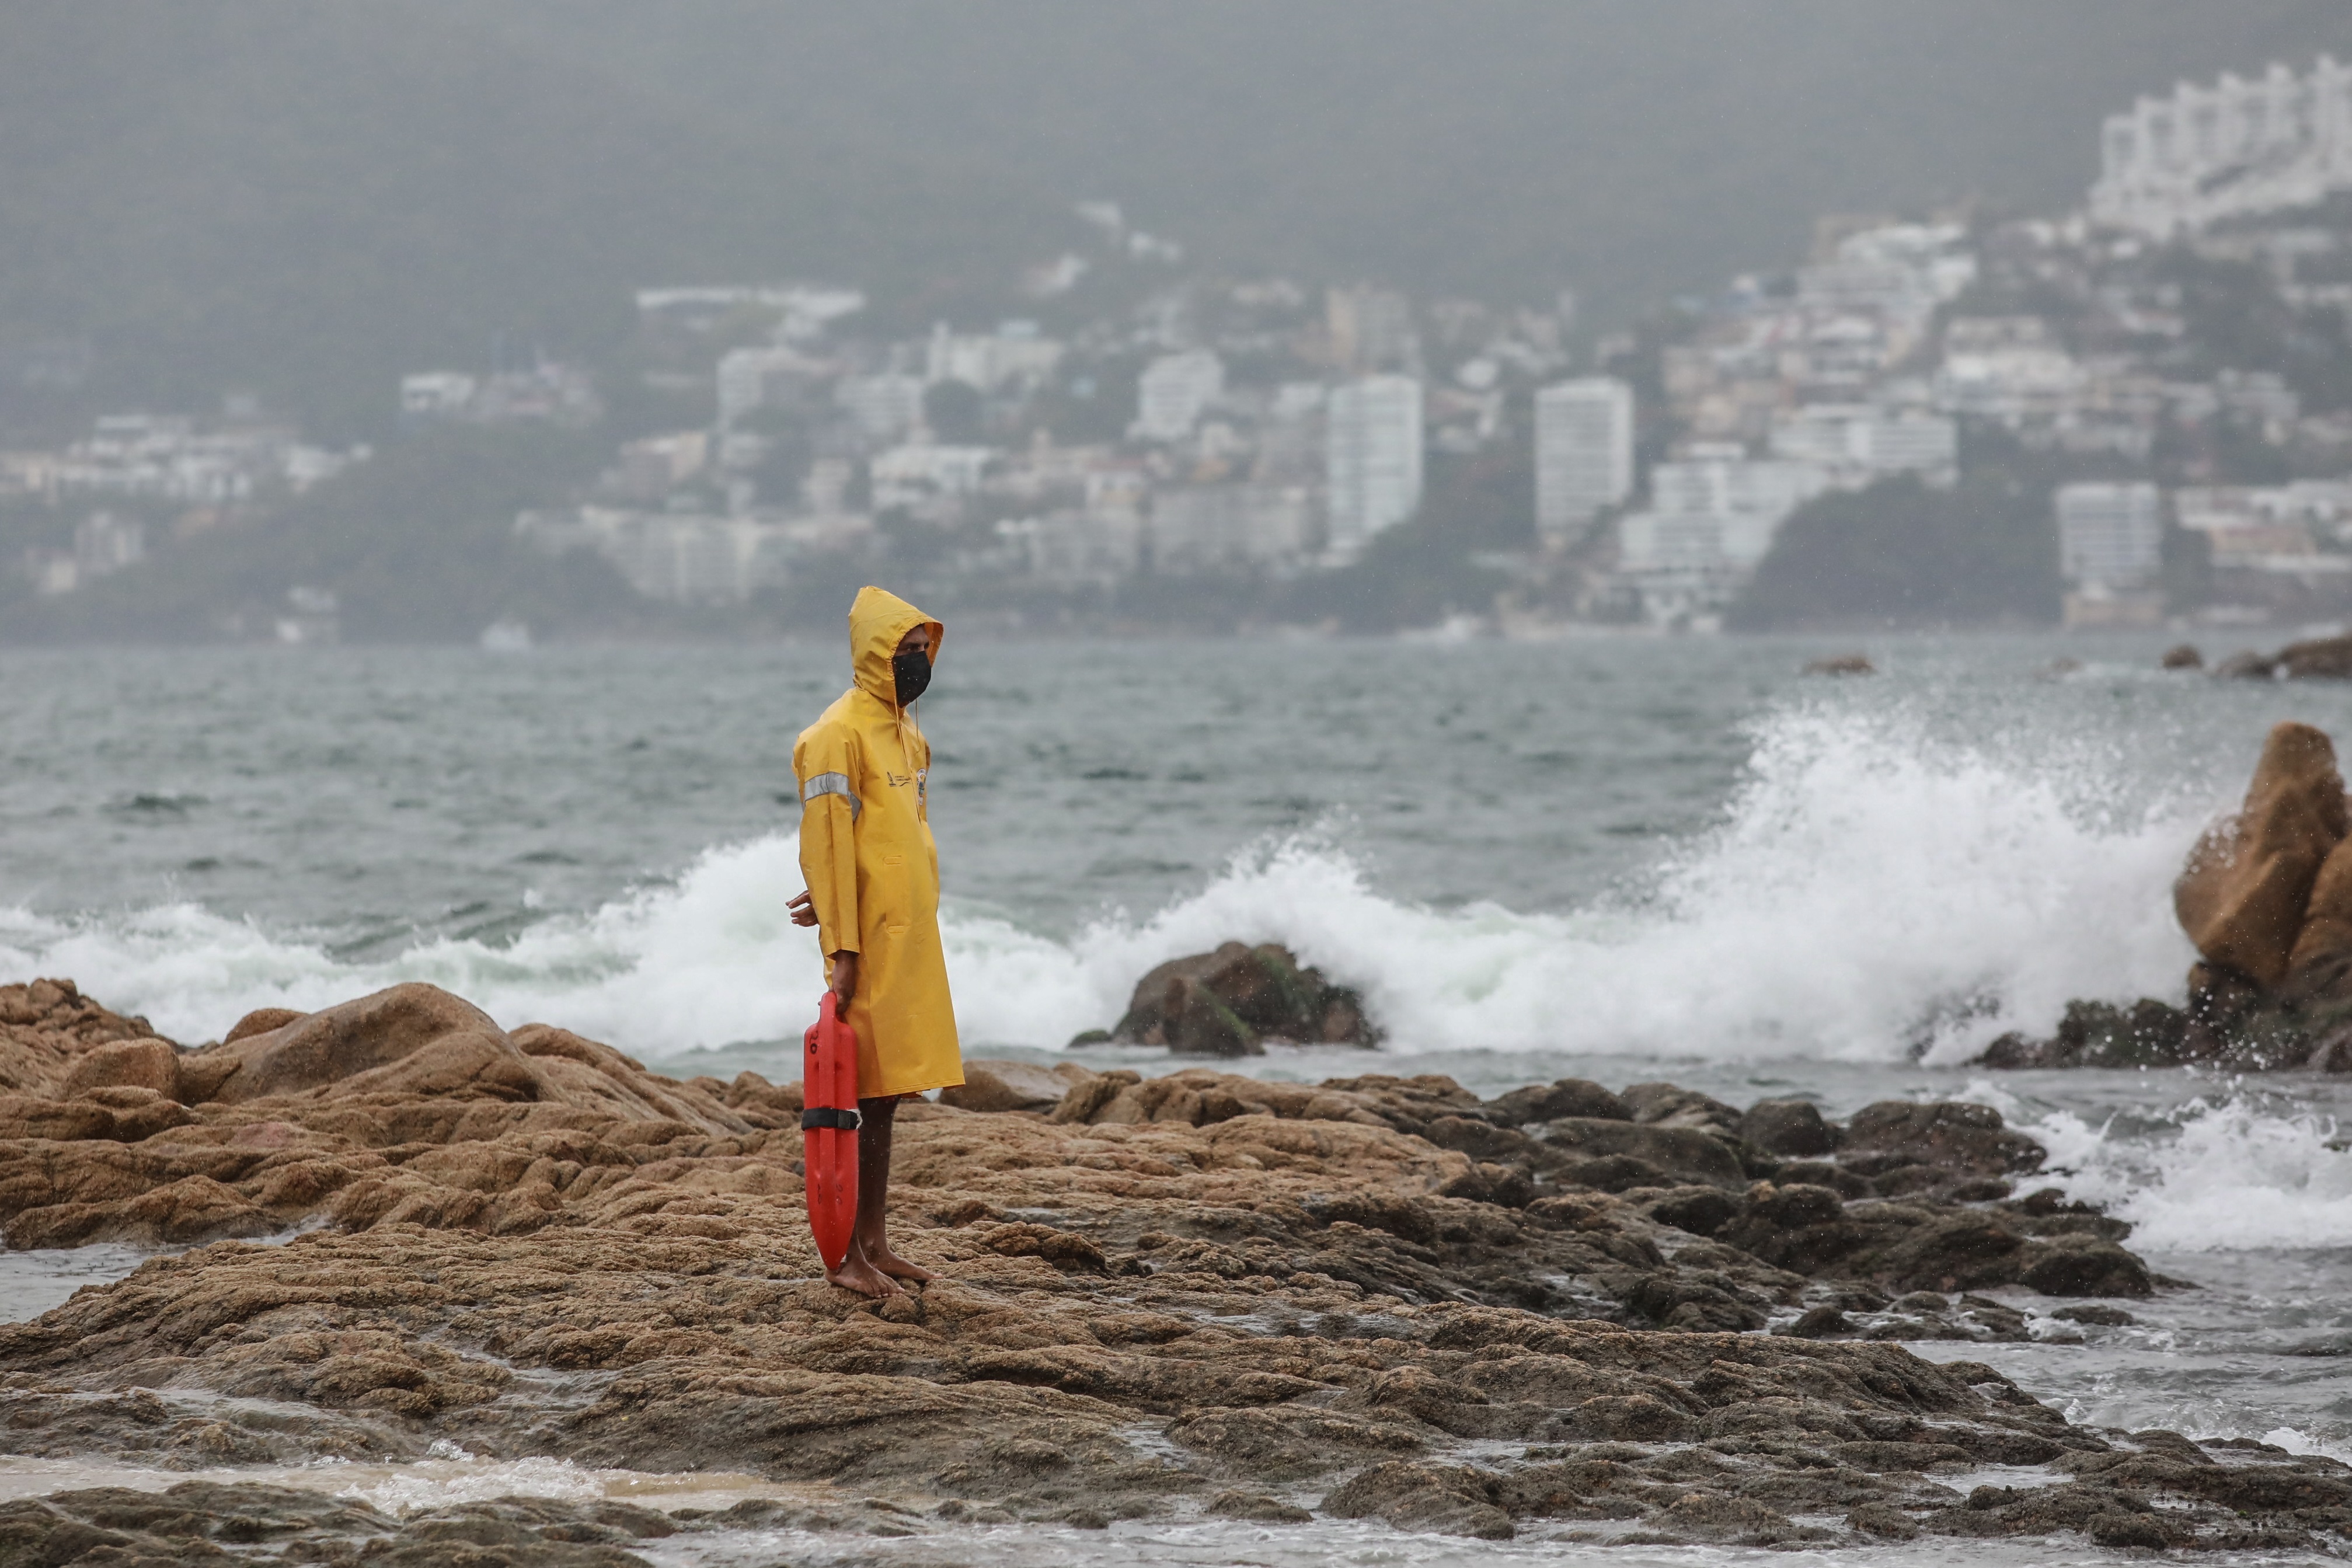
x: 1623, y: 859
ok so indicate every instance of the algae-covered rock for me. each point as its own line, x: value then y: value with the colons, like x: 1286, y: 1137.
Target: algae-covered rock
x: 1682, y: 1152
x: 1225, y: 1003
x: 1671, y: 1105
x: 1793, y: 1127
x: 1946, y: 1134
x: 1550, y: 1102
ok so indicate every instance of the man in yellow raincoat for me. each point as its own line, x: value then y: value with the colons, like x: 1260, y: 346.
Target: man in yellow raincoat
x: 873, y: 894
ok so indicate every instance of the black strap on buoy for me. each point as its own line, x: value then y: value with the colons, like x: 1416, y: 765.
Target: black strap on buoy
x: 828, y: 1116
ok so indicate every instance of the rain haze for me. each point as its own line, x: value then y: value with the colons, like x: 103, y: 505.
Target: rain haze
x: 382, y: 280
x: 1175, y: 782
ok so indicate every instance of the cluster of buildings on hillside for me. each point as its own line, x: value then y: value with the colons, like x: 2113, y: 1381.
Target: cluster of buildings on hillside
x: 1200, y: 428
x: 2082, y: 341
x: 134, y: 473
x: 1140, y: 421
x: 1196, y: 429
x: 548, y: 392
x: 2273, y: 552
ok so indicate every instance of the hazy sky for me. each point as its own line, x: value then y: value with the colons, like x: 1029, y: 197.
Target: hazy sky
x: 300, y: 198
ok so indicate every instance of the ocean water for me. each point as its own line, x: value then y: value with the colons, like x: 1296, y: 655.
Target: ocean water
x: 1626, y: 858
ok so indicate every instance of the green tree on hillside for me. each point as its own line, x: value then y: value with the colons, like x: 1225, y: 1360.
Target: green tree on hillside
x: 1903, y: 554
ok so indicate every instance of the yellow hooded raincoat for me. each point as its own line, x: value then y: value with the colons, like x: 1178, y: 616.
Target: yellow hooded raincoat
x: 872, y: 867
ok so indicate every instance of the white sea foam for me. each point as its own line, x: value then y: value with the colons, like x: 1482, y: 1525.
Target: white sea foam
x: 1869, y: 892
x: 2238, y: 1176
x: 450, y: 1475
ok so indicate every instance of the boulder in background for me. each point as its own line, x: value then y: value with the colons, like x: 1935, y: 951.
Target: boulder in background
x: 1227, y: 1003
x: 2242, y: 895
x: 1550, y: 1102
x: 1684, y: 1152
x: 1951, y: 1134
x: 1793, y: 1127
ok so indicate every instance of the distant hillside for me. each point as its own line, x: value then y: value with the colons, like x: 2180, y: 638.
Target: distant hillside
x: 416, y: 546
x: 1900, y: 554
x: 301, y: 200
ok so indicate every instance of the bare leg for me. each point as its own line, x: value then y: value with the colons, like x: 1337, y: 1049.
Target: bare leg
x: 876, y: 1118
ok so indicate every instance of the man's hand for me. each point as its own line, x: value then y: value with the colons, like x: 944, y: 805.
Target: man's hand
x: 844, y: 982
x: 803, y: 909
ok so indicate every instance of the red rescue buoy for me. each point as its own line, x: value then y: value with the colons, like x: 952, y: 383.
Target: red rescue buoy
x: 829, y: 1131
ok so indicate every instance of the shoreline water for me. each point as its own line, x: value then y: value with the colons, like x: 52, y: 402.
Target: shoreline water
x: 1607, y: 861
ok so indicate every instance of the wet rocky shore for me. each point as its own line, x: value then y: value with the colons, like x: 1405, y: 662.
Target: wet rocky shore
x: 1639, y: 1315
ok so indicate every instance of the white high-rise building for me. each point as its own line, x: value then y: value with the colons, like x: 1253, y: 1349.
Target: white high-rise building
x: 2241, y: 145
x: 1585, y: 452
x: 1201, y: 529
x: 1372, y: 459
x: 1013, y: 354
x: 2110, y: 536
x: 1173, y: 393
x: 884, y: 407
x: 1716, y: 512
x: 1372, y: 331
x: 1714, y: 516
x: 750, y: 378
x: 1858, y: 444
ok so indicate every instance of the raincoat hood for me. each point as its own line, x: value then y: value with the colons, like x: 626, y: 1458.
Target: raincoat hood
x: 877, y: 621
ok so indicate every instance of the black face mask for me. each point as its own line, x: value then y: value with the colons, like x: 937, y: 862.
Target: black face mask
x: 913, y: 671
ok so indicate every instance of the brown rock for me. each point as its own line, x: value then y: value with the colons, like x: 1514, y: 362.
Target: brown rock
x: 762, y: 1103
x: 1788, y: 1127
x: 1882, y: 1519
x: 261, y: 1021
x: 38, y: 1116
x: 608, y: 1272
x: 2246, y: 665
x: 2086, y: 1266
x: 2319, y: 659
x: 2182, y: 656
x: 2320, y: 966
x: 2243, y: 894
x: 1013, y: 1085
x: 1550, y: 1102
x: 1084, y: 1100
x: 415, y: 1038
x: 47, y: 1025
x: 1257, y: 1507
x: 1671, y: 1105
x: 1198, y: 1023
x: 1950, y: 1134
x: 1682, y: 1152
x: 1699, y: 1517
x: 1455, y: 1500
x: 570, y: 1070
x: 138, y: 1063
x: 194, y: 1208
x: 1223, y: 1003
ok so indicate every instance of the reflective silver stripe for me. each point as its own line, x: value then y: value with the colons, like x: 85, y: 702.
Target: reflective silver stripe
x: 834, y: 784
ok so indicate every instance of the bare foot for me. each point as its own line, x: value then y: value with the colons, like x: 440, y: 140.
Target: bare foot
x: 895, y: 1266
x: 857, y: 1274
